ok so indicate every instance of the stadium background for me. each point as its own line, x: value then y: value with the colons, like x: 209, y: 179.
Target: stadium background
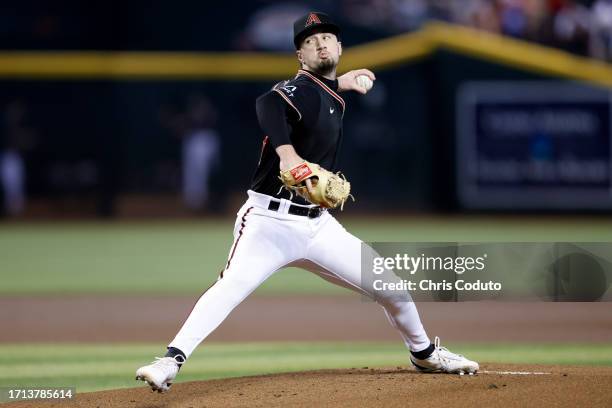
x: 105, y: 260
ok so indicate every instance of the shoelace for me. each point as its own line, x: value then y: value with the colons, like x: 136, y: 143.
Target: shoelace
x: 167, y: 362
x: 447, y: 354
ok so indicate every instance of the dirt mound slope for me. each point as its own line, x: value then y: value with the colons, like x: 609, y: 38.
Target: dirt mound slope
x: 500, y: 385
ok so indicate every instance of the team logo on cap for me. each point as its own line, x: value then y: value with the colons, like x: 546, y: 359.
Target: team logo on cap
x: 312, y: 19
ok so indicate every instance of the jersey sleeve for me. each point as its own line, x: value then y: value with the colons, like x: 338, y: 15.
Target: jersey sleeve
x: 302, y: 99
x: 284, y: 107
x: 273, y: 118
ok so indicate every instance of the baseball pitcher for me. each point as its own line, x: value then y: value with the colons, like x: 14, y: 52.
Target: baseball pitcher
x: 286, y: 220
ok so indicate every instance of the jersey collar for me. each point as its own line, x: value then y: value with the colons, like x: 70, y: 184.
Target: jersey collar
x: 331, y: 83
x: 330, y: 86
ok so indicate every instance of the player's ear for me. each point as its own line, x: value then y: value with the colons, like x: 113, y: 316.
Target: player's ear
x: 339, y: 48
x: 299, y: 55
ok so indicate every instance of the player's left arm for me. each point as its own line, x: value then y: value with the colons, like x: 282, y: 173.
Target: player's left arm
x: 348, y: 81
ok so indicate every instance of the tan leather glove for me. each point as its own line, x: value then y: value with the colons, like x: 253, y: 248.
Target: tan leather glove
x: 329, y: 190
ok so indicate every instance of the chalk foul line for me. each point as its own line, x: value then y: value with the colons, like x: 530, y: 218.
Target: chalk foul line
x: 513, y: 372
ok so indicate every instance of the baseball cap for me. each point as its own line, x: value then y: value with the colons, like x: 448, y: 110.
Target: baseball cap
x: 311, y: 22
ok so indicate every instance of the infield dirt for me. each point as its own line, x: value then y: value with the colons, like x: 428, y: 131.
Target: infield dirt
x: 124, y: 318
x: 559, y: 386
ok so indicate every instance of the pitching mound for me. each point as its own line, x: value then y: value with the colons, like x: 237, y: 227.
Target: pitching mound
x: 497, y: 385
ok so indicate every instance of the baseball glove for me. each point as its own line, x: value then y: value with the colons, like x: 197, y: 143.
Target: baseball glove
x: 329, y: 190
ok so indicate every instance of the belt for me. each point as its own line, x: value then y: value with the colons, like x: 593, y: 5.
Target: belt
x: 310, y: 212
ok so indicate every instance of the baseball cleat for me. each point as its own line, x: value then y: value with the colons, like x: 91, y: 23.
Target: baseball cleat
x: 444, y: 361
x: 160, y: 373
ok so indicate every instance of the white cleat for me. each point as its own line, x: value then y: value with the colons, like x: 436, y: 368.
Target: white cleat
x: 444, y: 361
x: 160, y: 373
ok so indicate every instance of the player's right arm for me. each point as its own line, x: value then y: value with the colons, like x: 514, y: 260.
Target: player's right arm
x: 277, y: 113
x: 288, y: 157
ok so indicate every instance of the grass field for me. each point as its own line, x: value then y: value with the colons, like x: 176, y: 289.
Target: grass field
x: 186, y: 256
x: 97, y: 367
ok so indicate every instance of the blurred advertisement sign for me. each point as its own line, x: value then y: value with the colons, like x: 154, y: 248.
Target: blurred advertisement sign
x: 534, y: 145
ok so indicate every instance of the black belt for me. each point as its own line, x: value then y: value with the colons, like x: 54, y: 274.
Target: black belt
x: 310, y: 212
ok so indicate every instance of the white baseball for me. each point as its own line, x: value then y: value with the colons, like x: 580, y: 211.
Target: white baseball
x: 365, y: 82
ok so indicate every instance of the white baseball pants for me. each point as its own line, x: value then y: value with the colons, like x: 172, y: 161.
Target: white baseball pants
x: 266, y: 241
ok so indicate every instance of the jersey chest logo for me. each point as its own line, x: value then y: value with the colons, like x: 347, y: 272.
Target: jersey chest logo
x: 288, y: 89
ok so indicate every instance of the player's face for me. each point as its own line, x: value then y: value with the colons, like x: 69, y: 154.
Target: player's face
x: 320, y: 53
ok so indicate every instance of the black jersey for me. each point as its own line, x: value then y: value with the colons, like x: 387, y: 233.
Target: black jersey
x: 306, y: 112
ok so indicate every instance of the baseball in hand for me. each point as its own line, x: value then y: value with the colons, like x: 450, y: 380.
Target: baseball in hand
x: 365, y: 82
